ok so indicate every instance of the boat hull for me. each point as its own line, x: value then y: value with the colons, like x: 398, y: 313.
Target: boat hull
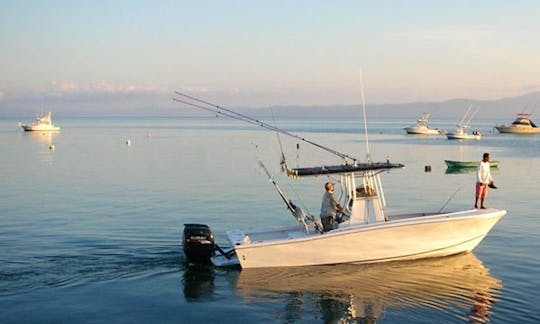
x: 32, y: 128
x: 405, y: 239
x: 422, y: 131
x: 468, y: 164
x: 453, y: 136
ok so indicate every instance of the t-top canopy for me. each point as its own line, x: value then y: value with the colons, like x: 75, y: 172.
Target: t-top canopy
x: 342, y: 168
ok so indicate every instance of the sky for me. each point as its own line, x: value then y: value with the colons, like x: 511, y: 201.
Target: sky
x: 255, y: 53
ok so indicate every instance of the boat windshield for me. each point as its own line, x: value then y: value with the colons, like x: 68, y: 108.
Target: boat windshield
x: 521, y: 121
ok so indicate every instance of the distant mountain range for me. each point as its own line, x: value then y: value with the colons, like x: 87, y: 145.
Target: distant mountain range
x: 504, y: 108
x: 500, y: 108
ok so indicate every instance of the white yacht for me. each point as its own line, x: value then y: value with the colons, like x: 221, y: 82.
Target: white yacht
x: 422, y: 127
x: 521, y: 125
x: 42, y: 124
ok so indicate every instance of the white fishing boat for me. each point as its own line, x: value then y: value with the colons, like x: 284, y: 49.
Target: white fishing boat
x: 43, y: 123
x: 366, y: 233
x: 521, y: 125
x: 422, y: 127
x: 461, y: 132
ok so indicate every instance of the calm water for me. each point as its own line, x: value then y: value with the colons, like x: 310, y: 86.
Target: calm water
x: 90, y: 231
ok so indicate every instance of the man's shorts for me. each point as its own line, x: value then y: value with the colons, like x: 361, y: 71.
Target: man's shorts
x: 481, y: 190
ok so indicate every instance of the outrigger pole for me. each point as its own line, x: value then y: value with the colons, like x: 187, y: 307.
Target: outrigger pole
x: 278, y: 189
x: 368, y: 154
x: 238, y: 116
x: 296, y: 211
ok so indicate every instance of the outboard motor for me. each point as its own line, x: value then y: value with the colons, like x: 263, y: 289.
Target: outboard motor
x: 198, y: 243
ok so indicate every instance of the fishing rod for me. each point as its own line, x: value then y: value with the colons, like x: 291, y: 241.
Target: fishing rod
x: 451, y: 197
x: 214, y: 111
x: 278, y: 189
x: 238, y: 116
x: 283, y: 162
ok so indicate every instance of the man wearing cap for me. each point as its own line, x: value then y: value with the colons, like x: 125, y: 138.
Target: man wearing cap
x: 329, y: 207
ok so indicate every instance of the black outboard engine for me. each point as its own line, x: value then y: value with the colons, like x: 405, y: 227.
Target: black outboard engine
x: 198, y: 243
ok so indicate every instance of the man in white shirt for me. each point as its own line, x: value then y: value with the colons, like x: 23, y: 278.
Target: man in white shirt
x: 483, y: 179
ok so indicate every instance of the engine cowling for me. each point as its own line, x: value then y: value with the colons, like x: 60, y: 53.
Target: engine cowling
x: 199, y: 244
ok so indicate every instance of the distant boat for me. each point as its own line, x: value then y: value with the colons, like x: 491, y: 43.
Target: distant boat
x: 42, y: 124
x: 461, y: 134
x: 422, y: 127
x: 521, y: 125
x: 468, y: 164
x: 461, y: 130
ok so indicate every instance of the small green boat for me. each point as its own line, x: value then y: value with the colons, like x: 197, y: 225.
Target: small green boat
x: 468, y: 164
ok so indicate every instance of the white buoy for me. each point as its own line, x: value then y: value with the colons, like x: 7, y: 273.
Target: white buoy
x: 128, y: 142
x: 51, y: 147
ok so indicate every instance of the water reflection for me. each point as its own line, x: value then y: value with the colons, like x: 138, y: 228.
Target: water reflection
x: 44, y: 141
x: 198, y: 282
x: 460, y: 285
x: 42, y: 137
x: 458, y: 170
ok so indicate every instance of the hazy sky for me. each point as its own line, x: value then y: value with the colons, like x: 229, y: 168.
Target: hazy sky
x: 260, y: 53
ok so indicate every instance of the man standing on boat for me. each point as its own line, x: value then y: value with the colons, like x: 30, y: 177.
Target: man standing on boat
x: 483, y: 180
x: 329, y: 207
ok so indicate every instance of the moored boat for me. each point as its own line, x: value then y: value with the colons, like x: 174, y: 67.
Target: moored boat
x: 42, y: 124
x: 461, y: 129
x: 364, y: 233
x: 521, y: 125
x: 461, y: 134
x: 422, y: 127
x: 468, y: 164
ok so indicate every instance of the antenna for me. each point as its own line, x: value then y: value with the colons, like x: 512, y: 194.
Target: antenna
x: 368, y: 154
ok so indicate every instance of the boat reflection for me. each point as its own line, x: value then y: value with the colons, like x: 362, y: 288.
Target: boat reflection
x: 198, y: 283
x: 459, y: 170
x: 42, y: 137
x: 457, y: 285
